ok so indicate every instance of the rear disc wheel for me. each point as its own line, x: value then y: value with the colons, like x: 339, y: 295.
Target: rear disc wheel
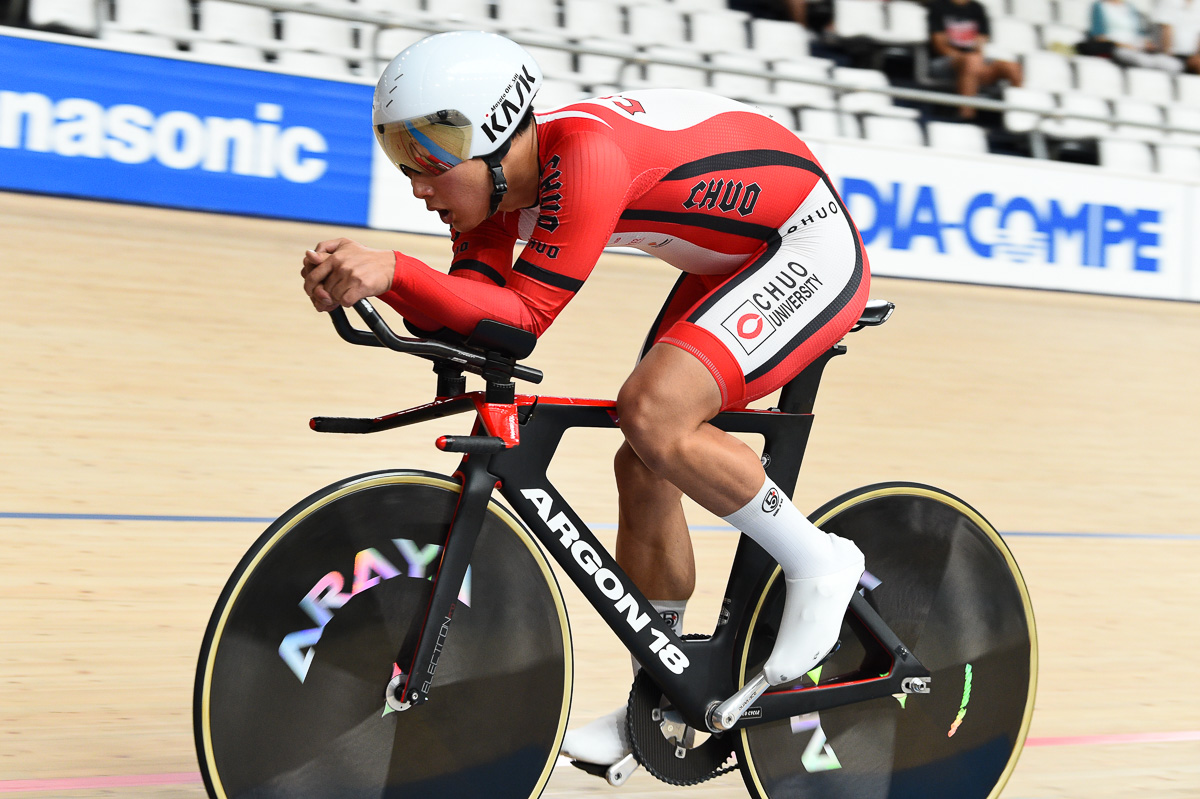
x: 952, y: 592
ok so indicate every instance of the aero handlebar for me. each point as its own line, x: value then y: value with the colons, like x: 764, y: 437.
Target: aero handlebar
x: 470, y: 360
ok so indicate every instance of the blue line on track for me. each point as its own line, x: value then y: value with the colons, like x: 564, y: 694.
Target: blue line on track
x: 1157, y: 536
x: 138, y: 517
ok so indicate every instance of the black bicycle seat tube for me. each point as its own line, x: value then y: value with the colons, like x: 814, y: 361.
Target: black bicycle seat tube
x: 456, y: 557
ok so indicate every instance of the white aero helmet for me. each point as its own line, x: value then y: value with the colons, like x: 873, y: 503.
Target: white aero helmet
x: 451, y: 97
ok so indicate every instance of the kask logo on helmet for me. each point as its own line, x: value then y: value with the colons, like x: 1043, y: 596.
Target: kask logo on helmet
x: 525, y: 85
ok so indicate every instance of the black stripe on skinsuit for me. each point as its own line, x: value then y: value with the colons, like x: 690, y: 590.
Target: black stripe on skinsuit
x: 718, y: 223
x: 470, y: 265
x: 653, y: 334
x: 735, y: 281
x: 441, y: 334
x: 740, y: 159
x: 546, y: 276
x: 841, y: 301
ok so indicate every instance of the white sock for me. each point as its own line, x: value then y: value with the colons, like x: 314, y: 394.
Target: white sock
x: 672, y: 612
x: 787, y: 535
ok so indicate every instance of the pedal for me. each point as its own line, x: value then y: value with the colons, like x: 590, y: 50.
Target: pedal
x: 620, y: 771
x: 594, y: 769
x: 615, y: 775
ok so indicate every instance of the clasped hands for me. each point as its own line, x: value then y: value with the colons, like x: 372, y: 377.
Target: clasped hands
x: 340, y: 272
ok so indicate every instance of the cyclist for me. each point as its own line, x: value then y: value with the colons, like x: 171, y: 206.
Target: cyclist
x: 773, y: 274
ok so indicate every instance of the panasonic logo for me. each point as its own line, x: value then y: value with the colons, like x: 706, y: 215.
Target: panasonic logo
x: 75, y: 127
x: 606, y: 580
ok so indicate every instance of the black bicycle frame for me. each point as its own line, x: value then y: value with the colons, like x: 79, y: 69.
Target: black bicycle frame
x: 693, y: 674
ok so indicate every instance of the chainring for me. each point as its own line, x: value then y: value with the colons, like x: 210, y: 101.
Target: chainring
x: 648, y: 730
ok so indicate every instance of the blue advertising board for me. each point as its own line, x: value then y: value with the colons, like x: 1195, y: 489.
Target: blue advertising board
x: 91, y: 122
x: 1008, y: 221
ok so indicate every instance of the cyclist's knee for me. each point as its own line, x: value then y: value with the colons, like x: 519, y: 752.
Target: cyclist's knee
x: 634, y: 477
x: 628, y: 467
x: 649, y: 432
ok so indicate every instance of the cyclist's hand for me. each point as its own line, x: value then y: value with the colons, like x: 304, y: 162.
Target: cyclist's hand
x: 342, y: 272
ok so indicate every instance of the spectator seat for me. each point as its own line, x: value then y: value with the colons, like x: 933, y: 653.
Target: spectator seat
x: 1151, y: 85
x: 1126, y: 155
x: 719, y: 31
x: 73, y: 15
x: 864, y: 101
x: 773, y: 38
x: 956, y: 137
x: 1179, y: 161
x: 893, y: 130
x: 1098, y: 77
x: 1127, y: 109
x: 168, y: 17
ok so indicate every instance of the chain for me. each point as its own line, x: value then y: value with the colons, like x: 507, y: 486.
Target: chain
x: 657, y: 754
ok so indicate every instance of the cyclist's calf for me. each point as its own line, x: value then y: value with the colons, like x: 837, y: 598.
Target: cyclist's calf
x: 653, y: 544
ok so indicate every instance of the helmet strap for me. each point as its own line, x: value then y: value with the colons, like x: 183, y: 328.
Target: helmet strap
x: 499, y: 182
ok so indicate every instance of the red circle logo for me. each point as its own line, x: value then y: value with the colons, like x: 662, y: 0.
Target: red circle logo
x: 750, y: 326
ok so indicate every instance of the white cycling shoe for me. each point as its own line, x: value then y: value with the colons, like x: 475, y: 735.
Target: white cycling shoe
x: 812, y: 616
x: 602, y: 742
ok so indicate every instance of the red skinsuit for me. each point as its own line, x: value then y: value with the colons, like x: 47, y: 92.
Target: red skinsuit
x: 699, y: 181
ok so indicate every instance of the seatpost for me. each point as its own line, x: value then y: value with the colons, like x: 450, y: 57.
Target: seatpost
x: 800, y: 395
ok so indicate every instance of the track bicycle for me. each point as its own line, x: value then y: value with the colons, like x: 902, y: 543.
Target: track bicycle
x: 401, y: 633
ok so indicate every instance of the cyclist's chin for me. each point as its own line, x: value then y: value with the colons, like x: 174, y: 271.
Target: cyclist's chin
x: 466, y: 222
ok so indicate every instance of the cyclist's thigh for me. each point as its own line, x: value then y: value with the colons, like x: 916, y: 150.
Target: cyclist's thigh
x: 760, y: 326
x: 687, y: 291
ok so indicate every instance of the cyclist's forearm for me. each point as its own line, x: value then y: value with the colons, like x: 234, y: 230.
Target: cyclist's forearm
x: 432, y: 299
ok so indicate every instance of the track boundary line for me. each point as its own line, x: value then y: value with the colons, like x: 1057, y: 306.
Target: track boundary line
x: 180, y: 518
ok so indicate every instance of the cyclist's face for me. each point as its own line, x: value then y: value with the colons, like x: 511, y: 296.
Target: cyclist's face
x: 461, y: 195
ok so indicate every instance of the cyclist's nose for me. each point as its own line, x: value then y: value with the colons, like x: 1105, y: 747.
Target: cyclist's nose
x: 421, y: 189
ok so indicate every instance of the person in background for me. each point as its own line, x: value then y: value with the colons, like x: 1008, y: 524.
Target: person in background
x: 1124, y: 32
x: 958, y: 31
x: 794, y: 10
x: 1179, y: 22
x: 12, y: 12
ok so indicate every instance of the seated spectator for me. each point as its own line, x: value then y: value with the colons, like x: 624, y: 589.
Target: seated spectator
x: 958, y: 31
x: 1179, y: 22
x: 1120, y: 30
x: 814, y: 14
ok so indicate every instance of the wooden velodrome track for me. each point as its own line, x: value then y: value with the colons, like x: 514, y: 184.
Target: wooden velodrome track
x: 164, y: 364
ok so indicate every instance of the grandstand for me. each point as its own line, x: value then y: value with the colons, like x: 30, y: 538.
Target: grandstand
x: 1072, y: 107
